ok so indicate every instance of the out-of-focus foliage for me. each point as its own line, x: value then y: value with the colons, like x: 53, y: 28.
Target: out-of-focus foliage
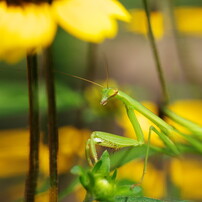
x: 14, y: 98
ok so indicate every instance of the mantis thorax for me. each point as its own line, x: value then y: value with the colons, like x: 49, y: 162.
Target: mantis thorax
x: 108, y: 93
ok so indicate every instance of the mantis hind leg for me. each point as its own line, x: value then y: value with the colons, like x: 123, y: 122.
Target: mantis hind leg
x: 166, y: 141
x: 146, y: 158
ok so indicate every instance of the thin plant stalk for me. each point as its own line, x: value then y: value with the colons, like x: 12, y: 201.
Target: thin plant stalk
x: 31, y: 181
x: 52, y: 127
x: 156, y: 55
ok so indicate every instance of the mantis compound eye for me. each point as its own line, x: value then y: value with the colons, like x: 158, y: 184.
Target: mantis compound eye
x: 107, y: 93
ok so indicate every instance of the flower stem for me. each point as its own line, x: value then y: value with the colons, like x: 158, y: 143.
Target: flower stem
x: 156, y: 55
x: 52, y: 127
x: 31, y: 181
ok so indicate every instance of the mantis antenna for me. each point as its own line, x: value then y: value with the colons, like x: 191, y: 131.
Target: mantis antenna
x: 107, y: 70
x: 78, y: 77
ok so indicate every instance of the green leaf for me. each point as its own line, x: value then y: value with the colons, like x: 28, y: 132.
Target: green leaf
x: 123, y: 156
x: 97, y: 166
x: 126, y: 191
x: 85, y: 180
x: 91, y: 179
x: 103, y: 168
x: 77, y: 170
x: 113, y: 177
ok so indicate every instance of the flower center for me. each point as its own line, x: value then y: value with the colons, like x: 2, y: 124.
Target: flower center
x: 22, y: 2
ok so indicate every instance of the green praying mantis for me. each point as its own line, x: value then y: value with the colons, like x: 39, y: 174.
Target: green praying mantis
x: 162, y: 129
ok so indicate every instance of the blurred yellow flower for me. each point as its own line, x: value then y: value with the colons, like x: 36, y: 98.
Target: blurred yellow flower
x: 186, y: 174
x: 124, y: 122
x: 154, y: 183
x: 80, y: 194
x: 24, y: 29
x: 42, y: 197
x: 28, y: 27
x: 188, y: 109
x: 71, y: 148
x: 88, y: 19
x: 189, y: 20
x: 139, y: 24
x: 14, y: 152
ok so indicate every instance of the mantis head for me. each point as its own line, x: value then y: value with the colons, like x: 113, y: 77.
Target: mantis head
x: 108, y: 93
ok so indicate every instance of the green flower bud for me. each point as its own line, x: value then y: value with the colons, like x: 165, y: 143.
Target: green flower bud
x: 104, y: 189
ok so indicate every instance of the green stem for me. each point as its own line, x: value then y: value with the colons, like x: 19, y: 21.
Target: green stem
x: 31, y: 181
x: 52, y: 127
x: 156, y: 55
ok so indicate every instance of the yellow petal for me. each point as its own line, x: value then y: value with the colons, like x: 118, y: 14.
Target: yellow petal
x: 42, y: 197
x: 24, y: 29
x: 189, y: 20
x: 154, y: 183
x: 139, y: 24
x: 186, y: 174
x: 14, y: 152
x: 71, y: 146
x: 75, y: 138
x: 188, y: 109
x: 90, y: 20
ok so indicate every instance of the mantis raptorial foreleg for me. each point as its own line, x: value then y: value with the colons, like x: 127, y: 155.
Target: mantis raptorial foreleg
x: 106, y: 140
x: 114, y: 141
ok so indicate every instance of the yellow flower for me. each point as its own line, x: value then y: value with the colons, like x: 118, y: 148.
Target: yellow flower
x: 188, y: 109
x: 90, y: 20
x: 14, y: 152
x: 154, y: 183
x: 189, y: 20
x: 139, y: 23
x: 71, y: 147
x: 24, y: 29
x: 145, y: 124
x: 28, y: 27
x: 186, y: 174
x: 42, y: 197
